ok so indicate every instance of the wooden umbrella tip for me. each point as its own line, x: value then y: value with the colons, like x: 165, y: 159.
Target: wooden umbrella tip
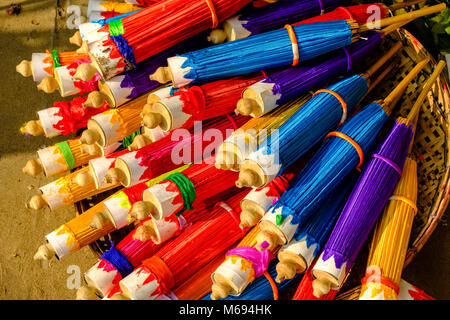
x: 83, y: 49
x: 44, y: 253
x: 114, y: 176
x: 321, y: 287
x: 285, y: 271
x: 25, y: 68
x: 76, y: 39
x: 151, y: 120
x: 32, y: 168
x: 142, y: 210
x: 219, y: 291
x: 99, y: 221
x: 33, y: 128
x: 86, y: 293
x: 249, y: 218
x: 217, y: 36
x: 48, y: 85
x: 161, y: 75
x: 36, y: 202
x: 144, y: 233
x: 85, y: 72
x: 94, y: 99
x: 83, y: 179
x: 89, y: 137
x: 246, y: 106
x: 247, y: 178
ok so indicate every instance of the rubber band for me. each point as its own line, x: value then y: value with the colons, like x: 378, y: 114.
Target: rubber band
x: 349, y: 59
x: 67, y: 154
x: 214, y: 18
x: 382, y: 280
x: 348, y: 12
x: 118, y: 260
x: 352, y: 142
x: 116, y: 28
x: 160, y: 269
x: 264, y: 74
x: 341, y: 101
x: 273, y: 285
x: 230, y: 210
x: 294, y: 42
x: 259, y: 259
x: 233, y: 123
x: 55, y: 57
x: 186, y: 188
x: 389, y: 162
x: 405, y: 200
x: 322, y: 7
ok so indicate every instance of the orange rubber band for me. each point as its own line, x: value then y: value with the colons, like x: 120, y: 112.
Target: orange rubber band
x: 341, y: 101
x: 352, y: 142
x: 382, y: 280
x: 159, y: 268
x: 294, y: 42
x: 405, y: 200
x: 272, y: 284
x: 214, y: 18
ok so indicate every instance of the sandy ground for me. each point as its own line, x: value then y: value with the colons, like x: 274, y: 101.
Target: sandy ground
x: 23, y: 230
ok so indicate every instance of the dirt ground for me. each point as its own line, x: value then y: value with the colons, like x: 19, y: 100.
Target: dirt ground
x: 42, y: 25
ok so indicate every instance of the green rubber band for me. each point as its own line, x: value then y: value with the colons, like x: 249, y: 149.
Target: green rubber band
x: 116, y: 28
x: 186, y: 188
x: 67, y: 154
x: 279, y: 219
x: 55, y: 57
x: 129, y: 139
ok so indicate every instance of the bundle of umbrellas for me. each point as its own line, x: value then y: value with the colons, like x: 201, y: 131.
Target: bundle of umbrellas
x: 223, y: 176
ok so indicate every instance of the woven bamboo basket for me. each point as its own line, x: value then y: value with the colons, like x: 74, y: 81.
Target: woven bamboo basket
x: 430, y: 149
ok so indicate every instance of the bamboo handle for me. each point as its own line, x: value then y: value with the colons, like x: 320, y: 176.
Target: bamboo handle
x: 415, y: 110
x: 391, y: 100
x: 405, y: 4
x: 403, y: 17
x: 388, y: 55
x: 380, y: 77
x: 395, y: 26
